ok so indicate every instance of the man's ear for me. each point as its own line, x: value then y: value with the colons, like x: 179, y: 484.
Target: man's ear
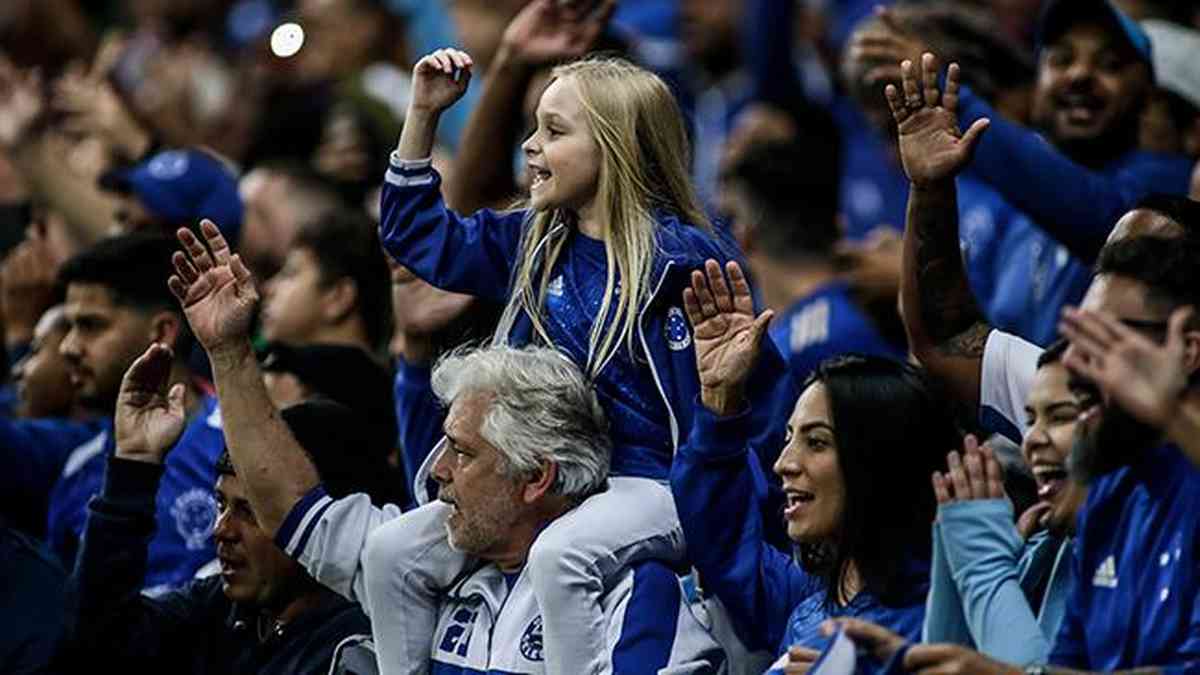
x: 165, y: 327
x: 540, y: 484
x: 340, y: 299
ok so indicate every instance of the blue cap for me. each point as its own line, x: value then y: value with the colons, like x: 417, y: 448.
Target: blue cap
x: 1059, y: 15
x: 183, y: 186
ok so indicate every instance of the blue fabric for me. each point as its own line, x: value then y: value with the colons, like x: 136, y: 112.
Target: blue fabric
x: 826, y: 323
x: 649, y: 628
x: 637, y: 414
x: 32, y: 454
x: 1074, y: 205
x: 1020, y: 276
x: 476, y: 254
x: 991, y: 590
x: 1138, y: 574
x: 874, y: 188
x: 419, y: 416
x: 772, y: 602
x: 185, y: 508
x: 31, y: 604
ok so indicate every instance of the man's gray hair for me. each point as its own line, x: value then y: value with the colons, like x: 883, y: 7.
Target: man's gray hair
x: 542, y: 409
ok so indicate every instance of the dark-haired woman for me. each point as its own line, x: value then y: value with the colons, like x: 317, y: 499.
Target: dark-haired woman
x: 863, y: 438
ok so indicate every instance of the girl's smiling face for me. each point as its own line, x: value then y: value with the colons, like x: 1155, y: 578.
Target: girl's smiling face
x: 563, y: 158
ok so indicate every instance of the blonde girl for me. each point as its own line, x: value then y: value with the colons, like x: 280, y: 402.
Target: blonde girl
x: 594, y: 264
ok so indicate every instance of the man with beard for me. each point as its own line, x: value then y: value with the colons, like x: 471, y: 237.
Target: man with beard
x: 1035, y: 213
x: 114, y: 310
x: 527, y: 442
x: 1143, y: 274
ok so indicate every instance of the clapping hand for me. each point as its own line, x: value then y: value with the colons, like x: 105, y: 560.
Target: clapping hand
x: 727, y: 333
x: 974, y: 475
x: 932, y: 147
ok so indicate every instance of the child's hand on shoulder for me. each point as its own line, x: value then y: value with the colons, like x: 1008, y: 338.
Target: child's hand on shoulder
x: 439, y: 79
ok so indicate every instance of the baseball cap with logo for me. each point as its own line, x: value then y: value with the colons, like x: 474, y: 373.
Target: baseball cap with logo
x: 1060, y: 15
x: 181, y: 187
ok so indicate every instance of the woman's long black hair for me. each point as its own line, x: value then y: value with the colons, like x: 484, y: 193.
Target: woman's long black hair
x: 892, y: 428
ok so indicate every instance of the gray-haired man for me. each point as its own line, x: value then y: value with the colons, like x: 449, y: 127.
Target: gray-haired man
x: 526, y: 443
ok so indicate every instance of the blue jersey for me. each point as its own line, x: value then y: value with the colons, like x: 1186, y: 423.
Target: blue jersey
x: 826, y: 323
x: 185, y: 508
x: 477, y: 255
x: 637, y: 414
x: 1136, y: 569
x: 1021, y: 277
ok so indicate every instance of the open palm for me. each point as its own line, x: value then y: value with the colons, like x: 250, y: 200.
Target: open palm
x: 932, y: 147
x: 726, y: 331
x: 214, y: 288
x: 149, y: 419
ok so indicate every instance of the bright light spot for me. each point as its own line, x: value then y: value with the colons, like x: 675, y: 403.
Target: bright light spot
x: 287, y: 39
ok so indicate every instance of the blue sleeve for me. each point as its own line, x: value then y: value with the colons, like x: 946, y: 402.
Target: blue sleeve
x: 983, y: 550
x: 1075, y: 205
x: 650, y: 623
x: 33, y: 452
x: 944, y: 619
x: 420, y: 416
x: 108, y: 617
x: 463, y: 254
x: 717, y: 485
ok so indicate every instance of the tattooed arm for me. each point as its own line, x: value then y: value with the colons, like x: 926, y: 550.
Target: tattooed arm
x: 946, y: 331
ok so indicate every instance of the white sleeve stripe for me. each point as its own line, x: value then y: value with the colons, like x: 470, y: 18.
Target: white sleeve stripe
x: 401, y: 164
x: 398, y: 180
x: 296, y: 545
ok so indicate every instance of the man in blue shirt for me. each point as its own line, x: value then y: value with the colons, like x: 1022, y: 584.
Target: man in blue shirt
x: 790, y: 220
x: 114, y: 310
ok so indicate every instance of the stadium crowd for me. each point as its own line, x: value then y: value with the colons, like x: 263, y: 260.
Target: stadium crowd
x: 593, y: 336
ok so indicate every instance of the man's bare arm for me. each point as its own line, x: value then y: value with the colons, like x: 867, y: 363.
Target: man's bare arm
x: 219, y: 300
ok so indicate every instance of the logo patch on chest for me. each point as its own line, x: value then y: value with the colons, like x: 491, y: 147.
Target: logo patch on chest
x: 531, y: 640
x: 678, y: 336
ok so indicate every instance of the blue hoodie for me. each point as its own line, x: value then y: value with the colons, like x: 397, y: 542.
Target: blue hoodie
x: 477, y: 255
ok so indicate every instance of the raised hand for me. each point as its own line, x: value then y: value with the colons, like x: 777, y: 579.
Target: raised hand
x: 726, y: 333
x: 974, y: 475
x: 216, y: 291
x: 1145, y: 378
x: 546, y: 31
x: 150, y: 417
x: 440, y: 79
x: 932, y: 147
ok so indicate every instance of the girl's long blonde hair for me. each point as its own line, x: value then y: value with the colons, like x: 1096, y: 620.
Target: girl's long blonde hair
x: 644, y: 169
